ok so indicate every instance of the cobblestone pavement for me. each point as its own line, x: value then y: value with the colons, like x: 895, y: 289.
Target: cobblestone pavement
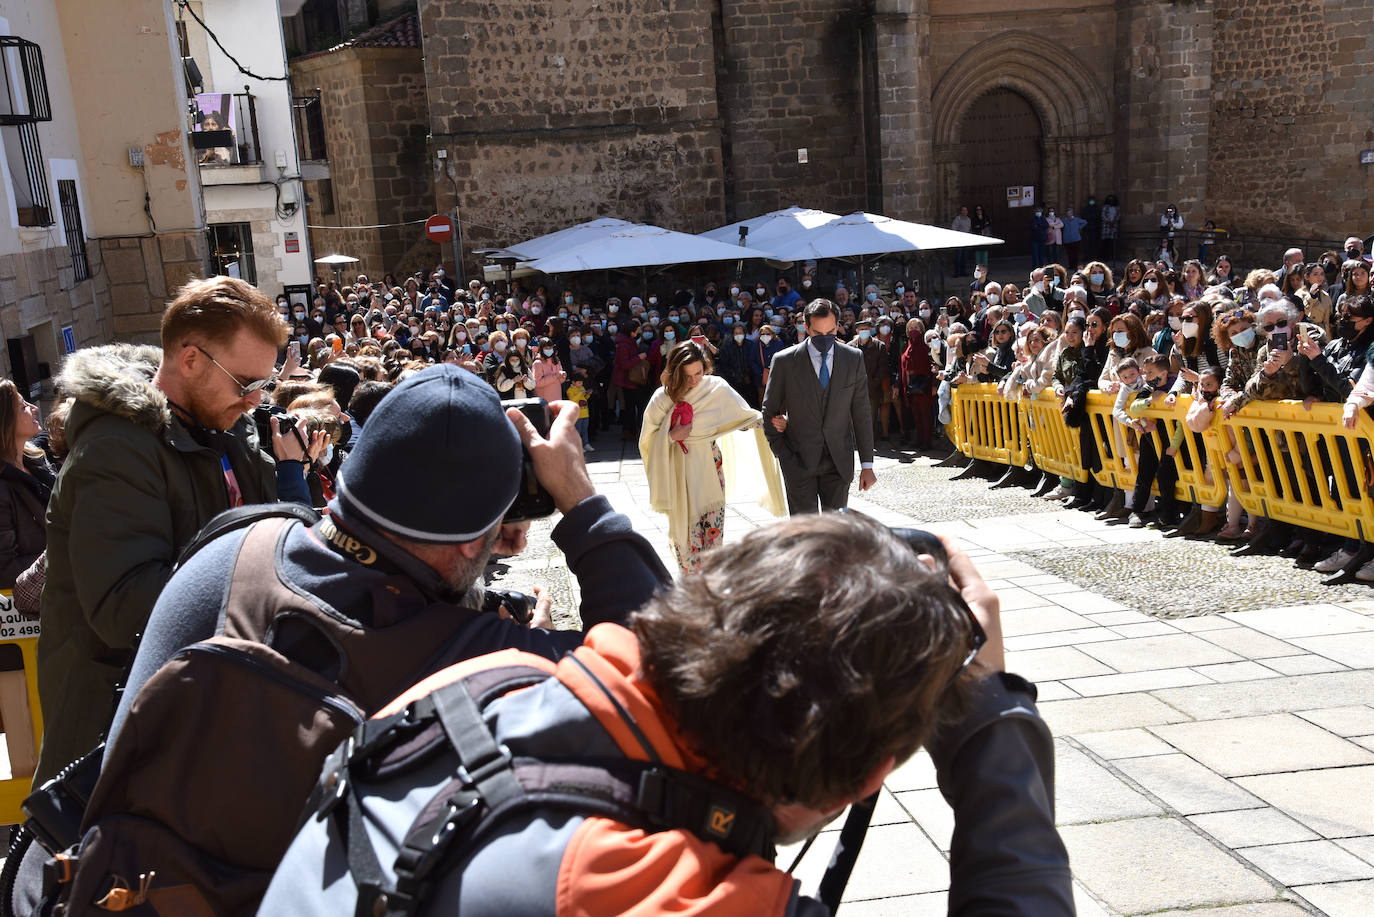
x: 1214, y: 716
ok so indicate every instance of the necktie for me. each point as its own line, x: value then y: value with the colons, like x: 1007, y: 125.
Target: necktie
x: 825, y: 370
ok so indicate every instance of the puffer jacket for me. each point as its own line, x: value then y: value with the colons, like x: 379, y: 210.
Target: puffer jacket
x: 133, y: 492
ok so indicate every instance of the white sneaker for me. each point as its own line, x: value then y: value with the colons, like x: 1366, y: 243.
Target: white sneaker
x: 1366, y: 573
x: 588, y: 447
x: 1335, y: 562
x: 1058, y: 493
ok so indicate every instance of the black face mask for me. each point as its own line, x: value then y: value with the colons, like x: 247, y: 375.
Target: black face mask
x: 1352, y: 254
x: 1345, y: 327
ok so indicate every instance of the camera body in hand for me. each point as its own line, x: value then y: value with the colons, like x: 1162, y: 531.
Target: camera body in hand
x: 532, y: 501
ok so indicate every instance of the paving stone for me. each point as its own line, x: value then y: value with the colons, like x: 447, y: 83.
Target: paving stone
x: 1085, y: 905
x: 1055, y: 588
x: 1055, y: 663
x: 1354, y: 650
x: 1087, y: 602
x: 1040, y: 620
x: 929, y: 810
x: 1252, y: 827
x: 1262, y: 745
x: 1084, y: 791
x: 1303, y: 621
x: 1101, y: 714
x: 1162, y: 652
x: 1362, y: 847
x: 1060, y: 638
x: 1303, y: 692
x: 1013, y: 599
x: 1304, y: 664
x: 1235, y: 671
x: 1307, y: 862
x: 1049, y: 690
x: 1340, y: 899
x: 916, y: 773
x: 1124, y: 743
x: 1135, y: 681
x: 1258, y: 909
x: 1183, y: 784
x: 887, y: 811
x: 1148, y: 864
x: 895, y: 860
x: 1249, y: 643
x: 1202, y: 623
x: 1152, y: 629
x: 1343, y: 721
x: 1115, y: 618
x: 1334, y: 803
x: 1364, y: 741
x: 931, y: 904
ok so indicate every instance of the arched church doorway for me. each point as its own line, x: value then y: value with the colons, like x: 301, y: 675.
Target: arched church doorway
x: 1002, y: 146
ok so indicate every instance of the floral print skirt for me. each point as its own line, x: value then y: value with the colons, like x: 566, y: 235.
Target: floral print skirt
x: 709, y: 529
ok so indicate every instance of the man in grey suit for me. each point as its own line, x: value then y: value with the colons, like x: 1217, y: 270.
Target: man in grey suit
x: 816, y: 411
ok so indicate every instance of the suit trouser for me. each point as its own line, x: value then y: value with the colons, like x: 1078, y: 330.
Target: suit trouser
x: 824, y: 485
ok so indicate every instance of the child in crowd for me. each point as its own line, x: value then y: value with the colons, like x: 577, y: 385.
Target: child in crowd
x: 578, y: 395
x: 1142, y: 385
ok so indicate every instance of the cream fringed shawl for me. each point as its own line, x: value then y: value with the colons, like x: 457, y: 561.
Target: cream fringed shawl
x: 685, y: 487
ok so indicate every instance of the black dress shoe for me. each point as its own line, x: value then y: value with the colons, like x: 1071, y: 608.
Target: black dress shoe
x: 1048, y: 482
x: 1293, y: 548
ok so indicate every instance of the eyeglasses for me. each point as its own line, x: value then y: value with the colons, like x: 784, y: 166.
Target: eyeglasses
x: 245, y: 389
x: 1268, y: 328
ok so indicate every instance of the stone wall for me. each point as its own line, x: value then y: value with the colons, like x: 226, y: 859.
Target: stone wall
x: 554, y: 112
x: 144, y: 274
x: 1291, y: 87
x: 376, y: 120
x: 39, y: 295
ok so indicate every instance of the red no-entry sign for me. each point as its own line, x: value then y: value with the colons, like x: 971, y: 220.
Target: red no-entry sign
x: 439, y: 228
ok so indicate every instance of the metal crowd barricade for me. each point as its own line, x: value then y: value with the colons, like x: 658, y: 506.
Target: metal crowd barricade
x: 991, y: 425
x: 1303, y: 466
x: 1054, y: 445
x: 23, y: 719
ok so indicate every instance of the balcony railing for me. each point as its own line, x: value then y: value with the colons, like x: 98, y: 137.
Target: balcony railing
x: 233, y: 143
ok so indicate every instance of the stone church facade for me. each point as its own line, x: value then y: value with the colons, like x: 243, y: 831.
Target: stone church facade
x: 692, y: 113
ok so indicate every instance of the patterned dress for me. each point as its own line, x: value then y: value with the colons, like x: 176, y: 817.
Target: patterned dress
x: 708, y: 530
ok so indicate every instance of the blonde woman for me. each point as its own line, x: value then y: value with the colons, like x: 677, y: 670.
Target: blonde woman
x: 692, y: 462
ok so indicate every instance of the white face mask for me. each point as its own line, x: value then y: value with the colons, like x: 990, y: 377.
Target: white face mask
x: 500, y: 326
x: 925, y: 314
x: 612, y: 329
x: 1189, y: 329
x: 1078, y: 314
x: 548, y: 351
x: 734, y: 291
x: 574, y: 340
x: 806, y: 284
x: 994, y: 299
x: 535, y: 310
x: 653, y: 300
x: 1175, y: 322
x: 1151, y: 286
x: 1121, y: 339
x: 460, y: 336
x: 1097, y: 279
x: 739, y: 337
x: 761, y: 292
x: 766, y: 337
x: 1040, y: 286
x: 885, y: 330
x: 499, y: 347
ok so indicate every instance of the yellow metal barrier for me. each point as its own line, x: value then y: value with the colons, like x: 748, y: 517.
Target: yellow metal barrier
x: 23, y: 719
x: 1286, y: 456
x: 1054, y: 444
x: 1282, y: 461
x: 993, y: 428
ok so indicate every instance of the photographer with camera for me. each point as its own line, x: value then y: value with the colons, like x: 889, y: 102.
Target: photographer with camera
x: 371, y: 598
x: 654, y: 768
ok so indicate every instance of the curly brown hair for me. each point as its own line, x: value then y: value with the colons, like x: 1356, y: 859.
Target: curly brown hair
x: 797, y: 676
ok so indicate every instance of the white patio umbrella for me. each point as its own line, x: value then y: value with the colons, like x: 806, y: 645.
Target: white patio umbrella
x: 336, y: 263
x: 859, y: 234
x: 768, y: 227
x: 642, y: 245
x: 545, y: 245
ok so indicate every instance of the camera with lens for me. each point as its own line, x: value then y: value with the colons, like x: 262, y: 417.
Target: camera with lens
x: 532, y: 501
x: 517, y: 605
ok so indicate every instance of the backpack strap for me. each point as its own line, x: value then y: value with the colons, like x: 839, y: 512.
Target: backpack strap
x: 490, y: 785
x: 237, y: 518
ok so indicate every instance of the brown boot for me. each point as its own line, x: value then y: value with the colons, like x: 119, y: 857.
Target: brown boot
x: 1211, y: 521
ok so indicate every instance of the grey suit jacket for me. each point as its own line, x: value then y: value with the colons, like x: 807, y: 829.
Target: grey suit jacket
x: 817, y: 424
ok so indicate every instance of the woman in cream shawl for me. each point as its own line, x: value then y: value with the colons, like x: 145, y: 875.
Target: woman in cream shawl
x: 725, y: 451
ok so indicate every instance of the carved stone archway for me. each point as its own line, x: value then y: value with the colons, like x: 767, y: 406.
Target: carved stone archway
x: 1072, y: 105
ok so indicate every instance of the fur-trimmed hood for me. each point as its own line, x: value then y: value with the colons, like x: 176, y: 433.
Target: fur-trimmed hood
x: 117, y: 379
